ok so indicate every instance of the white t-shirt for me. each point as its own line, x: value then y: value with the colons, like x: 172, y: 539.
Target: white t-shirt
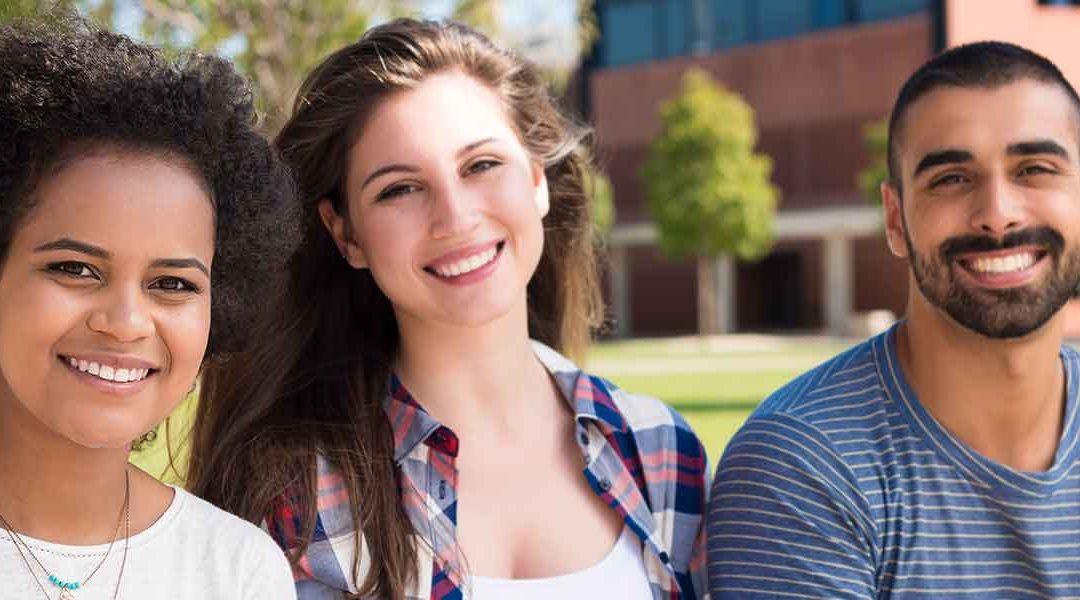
x: 195, y: 551
x: 621, y: 574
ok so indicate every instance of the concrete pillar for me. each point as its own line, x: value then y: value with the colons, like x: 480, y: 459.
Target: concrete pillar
x: 619, y: 272
x: 837, y: 283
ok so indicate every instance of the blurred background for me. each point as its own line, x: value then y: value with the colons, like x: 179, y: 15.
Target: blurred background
x: 739, y: 144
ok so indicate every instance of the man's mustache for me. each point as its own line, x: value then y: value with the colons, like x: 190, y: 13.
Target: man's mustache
x: 1042, y: 236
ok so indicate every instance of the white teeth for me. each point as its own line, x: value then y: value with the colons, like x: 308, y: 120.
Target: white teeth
x: 1004, y: 264
x: 109, y: 373
x: 467, y: 265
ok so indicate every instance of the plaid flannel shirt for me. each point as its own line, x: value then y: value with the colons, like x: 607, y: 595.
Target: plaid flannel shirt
x: 641, y: 458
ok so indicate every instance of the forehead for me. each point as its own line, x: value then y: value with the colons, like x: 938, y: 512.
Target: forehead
x: 444, y: 112
x: 985, y: 121
x: 123, y: 202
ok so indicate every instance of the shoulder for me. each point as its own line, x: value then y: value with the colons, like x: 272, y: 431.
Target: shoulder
x: 246, y: 544
x: 809, y: 426
x: 331, y: 545
x: 848, y: 383
x: 639, y: 412
x: 657, y: 440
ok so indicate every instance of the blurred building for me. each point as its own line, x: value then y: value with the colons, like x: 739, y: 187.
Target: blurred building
x: 816, y: 72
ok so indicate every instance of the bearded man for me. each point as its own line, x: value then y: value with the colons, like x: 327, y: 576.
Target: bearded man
x: 939, y: 459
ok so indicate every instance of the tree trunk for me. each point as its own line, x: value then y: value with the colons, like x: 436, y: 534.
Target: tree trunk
x: 716, y: 294
x: 706, y: 294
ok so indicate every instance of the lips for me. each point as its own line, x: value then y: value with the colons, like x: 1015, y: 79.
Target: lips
x: 114, y: 370
x: 999, y: 263
x: 465, y: 261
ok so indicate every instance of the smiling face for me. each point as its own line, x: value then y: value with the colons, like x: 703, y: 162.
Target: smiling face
x: 105, y: 300
x: 444, y: 204
x: 990, y: 214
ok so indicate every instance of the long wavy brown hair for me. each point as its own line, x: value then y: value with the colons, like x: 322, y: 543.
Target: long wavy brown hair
x: 313, y: 380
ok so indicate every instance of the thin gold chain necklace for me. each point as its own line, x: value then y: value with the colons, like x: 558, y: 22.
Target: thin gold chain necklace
x: 67, y: 588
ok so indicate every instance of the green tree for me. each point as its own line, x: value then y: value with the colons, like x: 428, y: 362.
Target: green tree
x: 11, y: 10
x: 275, y: 42
x: 598, y: 187
x: 870, y: 178
x: 709, y: 193
x: 482, y: 15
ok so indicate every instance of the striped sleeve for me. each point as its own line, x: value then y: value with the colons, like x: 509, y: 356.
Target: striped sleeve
x: 786, y: 518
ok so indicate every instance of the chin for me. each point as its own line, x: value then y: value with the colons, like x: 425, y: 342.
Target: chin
x: 105, y: 436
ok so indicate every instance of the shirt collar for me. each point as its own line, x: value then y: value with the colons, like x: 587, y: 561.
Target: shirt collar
x: 589, y: 397
x: 411, y: 424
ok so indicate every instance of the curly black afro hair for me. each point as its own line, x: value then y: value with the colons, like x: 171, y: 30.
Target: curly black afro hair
x: 68, y: 88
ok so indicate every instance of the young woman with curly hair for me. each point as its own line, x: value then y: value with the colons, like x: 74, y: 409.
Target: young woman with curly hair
x: 137, y: 200
x: 404, y: 422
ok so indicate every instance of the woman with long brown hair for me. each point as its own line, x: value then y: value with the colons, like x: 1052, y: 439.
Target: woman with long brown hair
x: 403, y: 423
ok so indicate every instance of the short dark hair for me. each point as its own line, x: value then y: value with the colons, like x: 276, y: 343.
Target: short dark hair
x: 68, y: 89
x: 981, y: 64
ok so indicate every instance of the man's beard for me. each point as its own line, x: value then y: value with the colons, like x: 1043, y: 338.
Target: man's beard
x: 998, y: 313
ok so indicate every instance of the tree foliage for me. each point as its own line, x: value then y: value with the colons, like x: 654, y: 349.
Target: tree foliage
x: 11, y: 10
x: 870, y: 178
x: 482, y: 15
x: 598, y: 187
x: 274, y: 42
x: 709, y: 193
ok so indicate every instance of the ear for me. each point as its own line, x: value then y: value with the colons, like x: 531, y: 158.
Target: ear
x: 893, y: 209
x: 543, y: 198
x: 338, y: 228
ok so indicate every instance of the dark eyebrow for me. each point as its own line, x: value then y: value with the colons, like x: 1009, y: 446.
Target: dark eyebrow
x: 84, y: 248
x: 395, y: 168
x: 1037, y: 147
x: 74, y: 245
x: 470, y: 147
x: 942, y: 157
x: 181, y: 263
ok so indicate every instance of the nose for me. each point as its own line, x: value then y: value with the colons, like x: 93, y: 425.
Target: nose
x: 1000, y: 207
x: 454, y: 210
x: 124, y: 314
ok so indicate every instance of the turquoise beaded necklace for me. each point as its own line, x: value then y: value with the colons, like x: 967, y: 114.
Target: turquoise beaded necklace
x: 67, y: 587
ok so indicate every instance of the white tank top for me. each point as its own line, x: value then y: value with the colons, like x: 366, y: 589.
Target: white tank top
x: 620, y: 574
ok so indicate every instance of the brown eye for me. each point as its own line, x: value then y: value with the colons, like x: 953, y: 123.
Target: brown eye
x: 174, y: 284
x: 397, y: 190
x: 72, y: 269
x: 1034, y: 170
x: 483, y: 165
x: 948, y: 179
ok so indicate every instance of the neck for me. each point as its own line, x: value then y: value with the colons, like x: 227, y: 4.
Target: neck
x: 53, y: 489
x: 1003, y: 398
x: 475, y: 378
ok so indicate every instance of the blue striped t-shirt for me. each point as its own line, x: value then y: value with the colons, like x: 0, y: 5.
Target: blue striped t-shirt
x: 841, y: 485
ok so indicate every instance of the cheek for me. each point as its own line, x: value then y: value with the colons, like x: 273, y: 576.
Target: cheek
x: 34, y: 317
x: 389, y: 243
x: 185, y: 332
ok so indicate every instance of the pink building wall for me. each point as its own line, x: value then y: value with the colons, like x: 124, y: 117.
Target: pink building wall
x: 1053, y: 31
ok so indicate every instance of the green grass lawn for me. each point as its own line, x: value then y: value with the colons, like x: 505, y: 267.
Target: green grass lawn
x: 714, y: 382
